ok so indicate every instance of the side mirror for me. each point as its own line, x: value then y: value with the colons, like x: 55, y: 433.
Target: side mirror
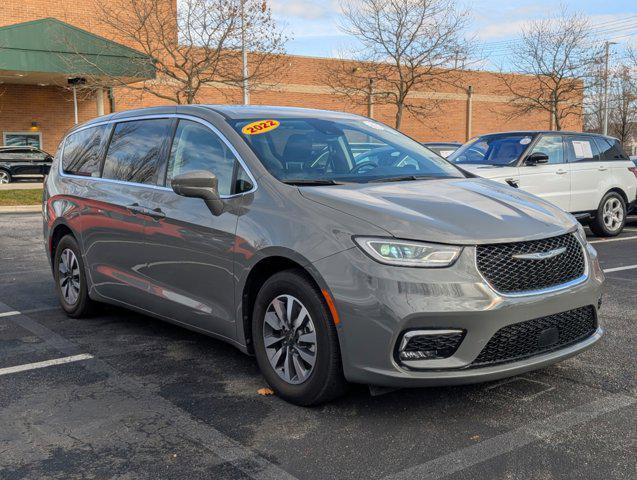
x: 199, y: 184
x: 536, y: 158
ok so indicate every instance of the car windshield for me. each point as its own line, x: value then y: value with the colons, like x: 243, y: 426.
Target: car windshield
x: 500, y: 149
x: 316, y: 151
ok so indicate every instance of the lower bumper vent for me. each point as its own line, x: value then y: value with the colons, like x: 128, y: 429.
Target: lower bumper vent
x: 540, y: 335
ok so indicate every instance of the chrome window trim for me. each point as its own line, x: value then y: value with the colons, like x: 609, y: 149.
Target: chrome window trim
x: 203, y: 122
x: 542, y: 291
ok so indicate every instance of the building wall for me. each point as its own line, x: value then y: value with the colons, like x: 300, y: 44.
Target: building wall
x: 50, y: 107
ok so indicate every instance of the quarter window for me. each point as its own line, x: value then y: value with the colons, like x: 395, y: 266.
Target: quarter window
x: 196, y: 147
x: 550, y: 145
x: 82, y: 152
x: 135, y: 150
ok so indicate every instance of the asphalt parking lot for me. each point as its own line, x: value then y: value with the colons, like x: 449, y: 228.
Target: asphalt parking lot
x: 138, y: 398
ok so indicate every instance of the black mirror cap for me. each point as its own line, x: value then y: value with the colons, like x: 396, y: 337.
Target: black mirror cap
x: 199, y: 184
x: 536, y: 158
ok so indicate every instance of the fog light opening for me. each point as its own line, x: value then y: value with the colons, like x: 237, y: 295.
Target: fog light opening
x: 423, y: 345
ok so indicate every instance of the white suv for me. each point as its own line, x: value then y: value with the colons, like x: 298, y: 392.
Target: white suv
x: 586, y: 174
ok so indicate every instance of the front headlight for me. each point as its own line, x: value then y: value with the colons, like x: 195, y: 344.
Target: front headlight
x: 581, y: 233
x: 407, y: 253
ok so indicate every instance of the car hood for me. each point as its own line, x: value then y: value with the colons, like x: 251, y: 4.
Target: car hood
x: 459, y: 211
x: 489, y: 171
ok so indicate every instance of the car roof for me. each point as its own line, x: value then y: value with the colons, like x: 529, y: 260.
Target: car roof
x: 537, y: 132
x: 259, y: 111
x: 442, y: 144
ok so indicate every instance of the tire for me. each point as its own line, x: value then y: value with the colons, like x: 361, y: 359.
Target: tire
x: 610, y: 218
x: 5, y: 177
x: 321, y: 381
x: 79, y: 305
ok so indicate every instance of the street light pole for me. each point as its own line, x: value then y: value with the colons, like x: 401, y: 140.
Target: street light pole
x: 607, y: 45
x: 244, y: 57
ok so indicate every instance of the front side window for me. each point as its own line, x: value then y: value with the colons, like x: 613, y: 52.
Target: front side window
x: 135, y: 150
x: 327, y: 150
x: 499, y: 149
x: 82, y: 152
x: 550, y: 145
x: 196, y: 147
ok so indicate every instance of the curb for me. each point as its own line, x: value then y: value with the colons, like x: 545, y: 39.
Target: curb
x: 21, y: 209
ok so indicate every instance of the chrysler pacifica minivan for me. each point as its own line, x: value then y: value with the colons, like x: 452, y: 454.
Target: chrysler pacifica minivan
x: 331, y: 247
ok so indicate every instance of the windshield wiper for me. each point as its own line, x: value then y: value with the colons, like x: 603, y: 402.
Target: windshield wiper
x: 402, y: 178
x: 310, y: 181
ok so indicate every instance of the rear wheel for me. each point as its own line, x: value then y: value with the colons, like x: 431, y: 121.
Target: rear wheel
x: 5, y: 177
x: 610, y: 217
x: 70, y: 279
x: 295, y: 340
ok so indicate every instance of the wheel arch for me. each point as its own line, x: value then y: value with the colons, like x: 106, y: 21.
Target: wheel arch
x: 618, y: 190
x: 258, y: 273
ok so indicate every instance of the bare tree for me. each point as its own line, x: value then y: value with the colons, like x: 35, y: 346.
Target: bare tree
x: 192, y: 43
x: 623, y: 105
x: 556, y: 55
x: 406, y: 45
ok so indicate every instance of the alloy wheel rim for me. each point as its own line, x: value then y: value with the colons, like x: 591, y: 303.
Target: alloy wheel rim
x: 289, y: 337
x: 4, y: 177
x: 69, y: 276
x: 613, y: 214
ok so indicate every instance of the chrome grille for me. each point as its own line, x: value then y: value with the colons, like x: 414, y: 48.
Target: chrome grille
x: 508, y: 274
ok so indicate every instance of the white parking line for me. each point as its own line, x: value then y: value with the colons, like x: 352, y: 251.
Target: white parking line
x: 621, y: 239
x: 9, y: 314
x: 46, y: 363
x: 507, y: 442
x: 619, y: 269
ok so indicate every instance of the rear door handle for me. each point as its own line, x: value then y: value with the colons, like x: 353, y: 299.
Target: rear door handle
x: 602, y: 168
x: 561, y: 171
x: 136, y: 208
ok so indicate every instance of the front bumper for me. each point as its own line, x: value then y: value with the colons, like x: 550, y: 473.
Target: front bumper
x: 377, y: 303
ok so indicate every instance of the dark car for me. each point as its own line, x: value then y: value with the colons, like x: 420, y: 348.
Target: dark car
x: 19, y: 162
x: 444, y: 149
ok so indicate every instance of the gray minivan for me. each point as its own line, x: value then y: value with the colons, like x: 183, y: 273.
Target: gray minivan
x: 328, y: 245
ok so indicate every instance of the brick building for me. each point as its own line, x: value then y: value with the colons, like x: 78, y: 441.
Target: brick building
x: 37, y: 106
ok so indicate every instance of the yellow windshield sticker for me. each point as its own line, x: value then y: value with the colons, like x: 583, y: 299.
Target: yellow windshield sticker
x: 260, y: 126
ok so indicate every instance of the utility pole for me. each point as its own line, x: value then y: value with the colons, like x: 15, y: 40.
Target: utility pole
x: 370, y: 99
x: 244, y: 57
x: 607, y: 45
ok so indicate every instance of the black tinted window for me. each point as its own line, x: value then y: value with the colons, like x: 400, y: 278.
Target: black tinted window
x: 134, y: 150
x: 196, y: 147
x: 82, y: 152
x: 610, y: 149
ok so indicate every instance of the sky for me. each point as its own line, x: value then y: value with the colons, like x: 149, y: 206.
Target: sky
x: 313, y: 26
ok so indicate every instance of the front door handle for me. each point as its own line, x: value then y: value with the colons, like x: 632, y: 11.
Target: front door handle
x: 602, y: 168
x: 156, y: 213
x: 561, y: 171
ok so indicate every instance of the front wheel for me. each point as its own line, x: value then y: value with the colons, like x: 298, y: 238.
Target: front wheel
x: 295, y: 340
x: 5, y: 177
x: 610, y: 217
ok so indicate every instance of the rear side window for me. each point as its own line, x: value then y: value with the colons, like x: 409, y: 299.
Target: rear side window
x: 135, y: 150
x: 82, y: 152
x: 581, y: 149
x: 196, y: 147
